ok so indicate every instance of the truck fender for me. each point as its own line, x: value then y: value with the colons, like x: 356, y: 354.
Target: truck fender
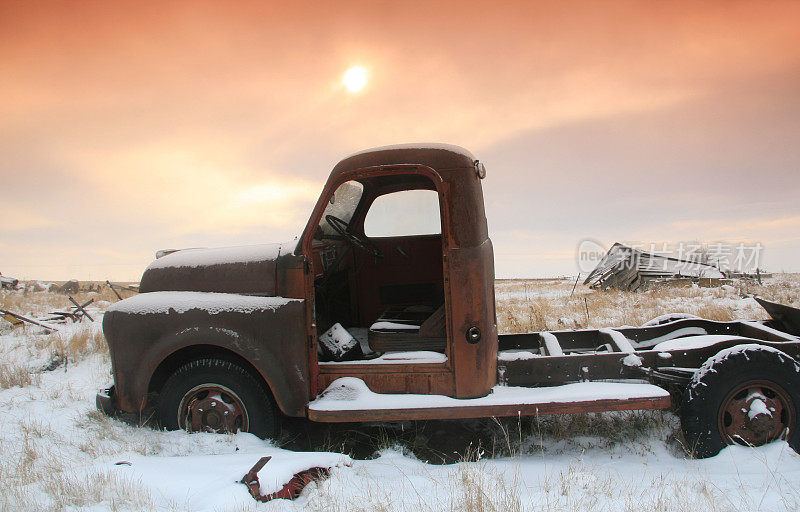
x: 209, y: 340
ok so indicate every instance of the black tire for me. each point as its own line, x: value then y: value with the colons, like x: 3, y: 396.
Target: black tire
x: 202, y: 381
x: 714, y: 414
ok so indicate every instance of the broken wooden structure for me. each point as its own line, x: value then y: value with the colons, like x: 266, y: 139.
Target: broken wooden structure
x: 626, y: 268
x: 74, y: 314
x: 116, y: 288
x: 17, y: 320
x: 8, y: 282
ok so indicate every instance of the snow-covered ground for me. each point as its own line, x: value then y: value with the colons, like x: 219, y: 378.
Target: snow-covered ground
x: 58, y: 453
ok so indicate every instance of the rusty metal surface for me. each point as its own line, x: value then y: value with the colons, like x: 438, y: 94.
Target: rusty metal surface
x: 272, y: 341
x: 224, y: 275
x: 255, y: 277
x: 213, y: 408
x: 472, y: 312
x: 787, y: 316
x: 450, y: 165
x: 426, y: 379
x: 642, y: 336
x: 467, y: 259
x: 289, y: 491
x: 585, y: 359
x: 742, y: 423
x: 290, y: 276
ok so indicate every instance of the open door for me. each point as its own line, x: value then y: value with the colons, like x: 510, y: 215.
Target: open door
x: 378, y: 266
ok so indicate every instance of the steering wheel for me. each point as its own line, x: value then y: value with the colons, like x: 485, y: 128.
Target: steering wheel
x: 362, y: 243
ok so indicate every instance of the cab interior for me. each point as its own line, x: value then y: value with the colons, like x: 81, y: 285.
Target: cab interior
x: 377, y: 263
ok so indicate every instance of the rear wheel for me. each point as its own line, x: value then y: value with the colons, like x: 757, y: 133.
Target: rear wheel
x: 214, y: 395
x: 746, y: 395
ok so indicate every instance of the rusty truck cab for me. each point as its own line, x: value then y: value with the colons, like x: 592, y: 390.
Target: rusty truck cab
x: 419, y: 293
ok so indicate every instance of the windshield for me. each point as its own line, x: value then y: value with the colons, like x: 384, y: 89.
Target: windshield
x: 342, y: 205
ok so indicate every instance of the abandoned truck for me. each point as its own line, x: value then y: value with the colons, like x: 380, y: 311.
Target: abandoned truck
x: 384, y: 309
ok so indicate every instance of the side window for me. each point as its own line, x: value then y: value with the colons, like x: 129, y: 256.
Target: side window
x: 410, y: 212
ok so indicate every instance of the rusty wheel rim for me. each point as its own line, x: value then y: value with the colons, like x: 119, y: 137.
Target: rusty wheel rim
x: 212, y: 408
x: 755, y: 413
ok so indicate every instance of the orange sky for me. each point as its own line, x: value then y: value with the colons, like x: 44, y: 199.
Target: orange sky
x: 131, y: 127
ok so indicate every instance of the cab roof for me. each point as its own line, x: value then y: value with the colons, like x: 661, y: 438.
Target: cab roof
x: 435, y: 156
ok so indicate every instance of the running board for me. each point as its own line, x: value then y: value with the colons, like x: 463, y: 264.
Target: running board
x: 351, y: 401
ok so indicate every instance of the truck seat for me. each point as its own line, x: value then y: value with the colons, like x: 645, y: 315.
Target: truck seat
x: 409, y: 328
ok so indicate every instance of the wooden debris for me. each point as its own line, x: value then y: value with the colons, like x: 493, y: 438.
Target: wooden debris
x: 16, y: 320
x: 8, y: 282
x: 115, y: 287
x: 626, y: 268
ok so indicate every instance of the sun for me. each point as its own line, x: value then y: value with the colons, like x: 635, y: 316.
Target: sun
x: 355, y: 78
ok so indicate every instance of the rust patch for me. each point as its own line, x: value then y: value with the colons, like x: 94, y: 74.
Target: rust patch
x: 290, y: 490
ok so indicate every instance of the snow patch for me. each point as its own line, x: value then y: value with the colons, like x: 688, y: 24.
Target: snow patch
x: 393, y: 326
x: 678, y: 333
x: 418, y: 357
x: 350, y: 393
x: 722, y: 355
x: 692, y: 342
x: 220, y: 255
x: 210, y: 482
x: 758, y: 406
x: 632, y: 360
x: 211, y: 302
x: 669, y: 317
x: 623, y: 343
x: 551, y: 344
x: 517, y: 354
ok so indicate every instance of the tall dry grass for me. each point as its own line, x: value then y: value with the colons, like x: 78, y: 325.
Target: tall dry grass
x: 552, y: 305
x: 41, y: 303
x: 76, y: 343
x: 14, y: 374
x: 33, y: 477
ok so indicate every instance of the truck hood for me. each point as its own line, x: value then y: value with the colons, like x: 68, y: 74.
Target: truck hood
x: 249, y: 269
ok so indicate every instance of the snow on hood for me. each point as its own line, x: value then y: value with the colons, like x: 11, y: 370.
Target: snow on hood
x: 244, y: 269
x: 213, y: 303
x: 220, y: 255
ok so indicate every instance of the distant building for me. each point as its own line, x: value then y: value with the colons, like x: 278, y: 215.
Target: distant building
x: 626, y: 268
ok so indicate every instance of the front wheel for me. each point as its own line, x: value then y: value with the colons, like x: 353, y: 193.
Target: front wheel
x: 214, y: 395
x: 747, y: 395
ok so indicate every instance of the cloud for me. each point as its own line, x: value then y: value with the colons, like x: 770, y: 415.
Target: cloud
x: 722, y: 166
x: 140, y: 126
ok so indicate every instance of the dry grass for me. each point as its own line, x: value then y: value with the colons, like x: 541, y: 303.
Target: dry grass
x: 40, y: 471
x: 17, y: 375
x: 42, y: 303
x: 478, y: 488
x: 551, y: 305
x: 75, y: 344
